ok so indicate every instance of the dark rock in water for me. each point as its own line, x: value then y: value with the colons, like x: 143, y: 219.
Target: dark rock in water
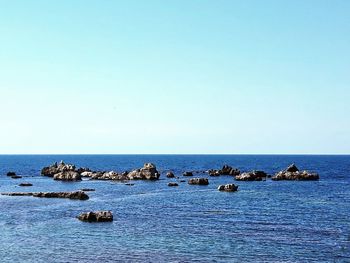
x: 251, y: 176
x: 228, y: 170
x: 187, y: 174
x: 79, y: 195
x: 147, y: 172
x: 98, y: 216
x: 11, y: 174
x: 182, y: 181
x: 213, y: 172
x: 199, y: 181
x: 129, y: 184
x: 25, y: 184
x: 228, y: 188
x: 57, y: 168
x: 16, y: 177
x: 67, y: 176
x: 293, y: 173
x: 88, y: 190
x: 170, y: 175
x: 173, y: 184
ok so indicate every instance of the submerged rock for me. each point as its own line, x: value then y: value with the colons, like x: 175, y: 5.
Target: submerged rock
x: 98, y: 216
x: 79, y: 195
x: 16, y: 177
x: 170, y: 175
x: 228, y: 188
x: 173, y: 184
x: 293, y: 173
x: 251, y: 176
x: 199, y: 181
x: 67, y: 176
x: 187, y: 174
x: 25, y: 184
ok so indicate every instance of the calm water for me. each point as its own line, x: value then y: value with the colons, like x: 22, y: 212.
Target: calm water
x: 263, y: 222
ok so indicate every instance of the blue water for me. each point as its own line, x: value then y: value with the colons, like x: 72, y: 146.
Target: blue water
x: 269, y: 221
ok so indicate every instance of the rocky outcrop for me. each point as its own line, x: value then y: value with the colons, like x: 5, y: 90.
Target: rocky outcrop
x: 187, y: 174
x: 170, y: 175
x: 293, y: 173
x: 173, y: 184
x: 199, y: 181
x: 251, y: 176
x: 147, y: 172
x: 225, y: 170
x: 67, y: 176
x: 78, y: 195
x: 228, y: 188
x: 57, y: 168
x: 25, y: 184
x: 98, y: 216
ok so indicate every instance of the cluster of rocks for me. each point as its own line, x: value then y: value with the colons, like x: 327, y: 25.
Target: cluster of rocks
x: 293, y: 173
x: 97, y: 216
x: 68, y: 172
x: 78, y: 195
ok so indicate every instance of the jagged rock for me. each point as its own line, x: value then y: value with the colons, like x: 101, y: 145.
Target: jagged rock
x: 173, y: 184
x: 170, y: 175
x: 251, y: 176
x: 228, y: 188
x: 11, y: 174
x: 225, y: 170
x: 98, y: 216
x: 213, y: 172
x: 57, y: 168
x: 79, y: 195
x: 87, y: 174
x: 187, y: 174
x: 83, y: 170
x: 199, y: 181
x: 67, y: 176
x: 293, y: 173
x: 147, y: 172
x: 25, y: 184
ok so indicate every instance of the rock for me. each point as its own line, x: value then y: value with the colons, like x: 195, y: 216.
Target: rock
x: 87, y: 189
x: 293, y: 173
x: 129, y: 184
x: 173, y: 184
x: 199, y: 181
x: 86, y: 174
x: 11, y: 174
x: 213, y: 172
x: 182, y: 181
x: 98, y: 216
x: 67, y: 176
x: 228, y: 170
x: 57, y: 168
x: 25, y: 184
x: 147, y: 172
x: 251, y: 176
x: 170, y: 175
x: 79, y: 195
x: 228, y: 188
x: 16, y: 177
x: 187, y: 174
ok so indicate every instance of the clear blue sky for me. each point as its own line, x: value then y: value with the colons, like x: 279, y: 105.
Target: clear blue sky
x: 190, y: 76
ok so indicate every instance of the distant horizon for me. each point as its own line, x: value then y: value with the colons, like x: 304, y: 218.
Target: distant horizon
x: 271, y: 154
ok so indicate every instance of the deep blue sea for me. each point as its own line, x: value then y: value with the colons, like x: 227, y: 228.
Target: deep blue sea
x: 268, y: 221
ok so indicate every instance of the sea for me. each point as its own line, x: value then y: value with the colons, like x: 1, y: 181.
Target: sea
x: 265, y: 221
